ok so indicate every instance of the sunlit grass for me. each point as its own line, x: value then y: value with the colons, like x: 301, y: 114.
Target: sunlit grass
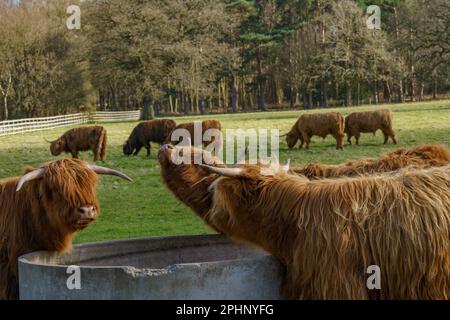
x: 146, y: 208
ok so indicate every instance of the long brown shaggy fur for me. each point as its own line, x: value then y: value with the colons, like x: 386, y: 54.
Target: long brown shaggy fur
x: 422, y: 156
x: 327, y: 232
x: 92, y: 138
x: 43, y: 215
x: 369, y: 122
x: 206, y: 125
x: 316, y: 124
x: 144, y: 133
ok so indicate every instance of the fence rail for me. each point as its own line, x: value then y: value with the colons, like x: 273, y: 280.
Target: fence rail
x: 11, y: 127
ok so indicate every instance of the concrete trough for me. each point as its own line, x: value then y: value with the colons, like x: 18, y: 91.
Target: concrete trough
x: 186, y: 267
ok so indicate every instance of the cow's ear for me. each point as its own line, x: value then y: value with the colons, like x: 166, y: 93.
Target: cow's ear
x: 227, y: 172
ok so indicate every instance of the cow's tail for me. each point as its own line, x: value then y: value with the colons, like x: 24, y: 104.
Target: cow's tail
x: 342, y: 123
x: 102, y: 142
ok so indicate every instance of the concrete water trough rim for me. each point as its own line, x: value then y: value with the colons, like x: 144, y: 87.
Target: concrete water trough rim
x: 214, y: 238
x: 203, y: 266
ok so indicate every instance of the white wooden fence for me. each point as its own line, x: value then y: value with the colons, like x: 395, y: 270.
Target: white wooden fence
x: 11, y: 127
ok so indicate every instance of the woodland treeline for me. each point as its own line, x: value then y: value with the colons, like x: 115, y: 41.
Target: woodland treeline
x: 208, y: 56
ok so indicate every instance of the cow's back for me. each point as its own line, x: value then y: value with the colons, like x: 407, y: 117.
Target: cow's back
x: 82, y: 139
x: 369, y: 121
x: 321, y: 124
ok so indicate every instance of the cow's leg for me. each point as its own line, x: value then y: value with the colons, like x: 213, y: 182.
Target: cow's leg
x: 137, y: 150
x: 392, y: 135
x: 74, y: 154
x: 148, y: 146
x: 357, y: 136
x: 349, y: 138
x: 302, y: 142
x: 386, y: 137
x: 339, y: 141
x: 305, y: 139
x: 308, y: 141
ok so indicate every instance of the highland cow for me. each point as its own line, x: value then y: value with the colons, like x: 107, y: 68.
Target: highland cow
x: 42, y: 210
x: 145, y: 133
x: 81, y: 139
x: 328, y: 232
x: 316, y: 124
x: 421, y: 156
x: 190, y: 127
x: 369, y: 122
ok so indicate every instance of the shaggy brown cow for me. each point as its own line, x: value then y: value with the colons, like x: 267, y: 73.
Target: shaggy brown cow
x: 146, y: 132
x: 369, y: 121
x: 316, y: 124
x: 42, y: 210
x: 81, y: 139
x: 421, y: 156
x: 328, y: 232
x: 190, y: 126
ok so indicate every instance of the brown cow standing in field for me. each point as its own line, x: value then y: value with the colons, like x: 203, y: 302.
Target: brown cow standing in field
x: 190, y: 127
x: 81, y: 139
x: 328, y: 232
x: 429, y: 155
x: 369, y: 121
x: 316, y: 124
x: 42, y: 210
x: 146, y: 132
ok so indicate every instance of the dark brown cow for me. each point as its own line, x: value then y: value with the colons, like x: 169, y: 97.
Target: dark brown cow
x: 190, y: 127
x: 146, y: 132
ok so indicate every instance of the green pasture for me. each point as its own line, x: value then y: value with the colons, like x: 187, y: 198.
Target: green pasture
x: 146, y: 208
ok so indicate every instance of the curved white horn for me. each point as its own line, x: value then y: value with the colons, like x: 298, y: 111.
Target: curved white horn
x: 108, y: 171
x: 283, y: 135
x: 228, y: 172
x: 286, y: 166
x: 48, y: 140
x: 35, y: 174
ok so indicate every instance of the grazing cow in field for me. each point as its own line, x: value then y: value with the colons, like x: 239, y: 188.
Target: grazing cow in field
x: 81, y: 139
x: 316, y: 124
x: 327, y: 233
x: 42, y: 210
x: 429, y: 155
x: 369, y: 122
x: 146, y: 132
x: 190, y: 127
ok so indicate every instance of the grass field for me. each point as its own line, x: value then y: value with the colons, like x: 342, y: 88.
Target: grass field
x: 146, y: 208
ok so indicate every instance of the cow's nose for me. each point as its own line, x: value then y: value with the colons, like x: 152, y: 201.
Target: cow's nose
x: 88, y: 212
x: 166, y: 147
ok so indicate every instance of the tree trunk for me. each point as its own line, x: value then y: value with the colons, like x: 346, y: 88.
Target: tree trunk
x: 292, y: 95
x: 387, y: 92
x: 234, y: 96
x: 310, y: 100
x: 435, y: 89
x: 401, y: 96
x: 348, y: 96
x: 202, y: 105
x: 358, y: 93
x: 422, y: 88
x: 375, y: 92
x: 184, y: 101
x: 261, y: 85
